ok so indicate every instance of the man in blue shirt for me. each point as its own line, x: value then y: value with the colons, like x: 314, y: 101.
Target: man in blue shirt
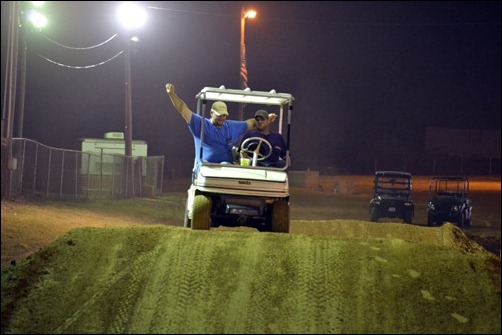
x: 220, y: 134
x: 279, y: 148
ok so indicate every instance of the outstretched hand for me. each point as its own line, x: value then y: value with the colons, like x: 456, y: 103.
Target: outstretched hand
x: 169, y: 88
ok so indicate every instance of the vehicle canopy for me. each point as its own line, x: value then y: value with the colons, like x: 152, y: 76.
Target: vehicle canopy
x: 394, y: 183
x: 449, y: 186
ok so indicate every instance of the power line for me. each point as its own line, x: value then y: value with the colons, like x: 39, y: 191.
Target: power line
x: 77, y: 67
x: 79, y: 48
x: 108, y: 40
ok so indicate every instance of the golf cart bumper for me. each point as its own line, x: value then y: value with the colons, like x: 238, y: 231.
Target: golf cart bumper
x: 246, y: 181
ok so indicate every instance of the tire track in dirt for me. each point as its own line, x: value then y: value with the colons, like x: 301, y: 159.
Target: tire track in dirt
x: 182, y: 285
x: 248, y: 257
x: 129, y: 277
x: 328, y: 272
x: 315, y: 267
x: 161, y: 270
x: 298, y: 266
x: 134, y: 276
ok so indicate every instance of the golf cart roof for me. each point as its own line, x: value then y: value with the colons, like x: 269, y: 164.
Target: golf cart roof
x: 401, y: 174
x: 245, y: 96
x: 453, y: 178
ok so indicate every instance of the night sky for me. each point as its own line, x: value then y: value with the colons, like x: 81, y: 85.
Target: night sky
x: 367, y: 77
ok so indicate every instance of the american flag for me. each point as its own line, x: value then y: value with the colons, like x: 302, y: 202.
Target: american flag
x: 244, y: 70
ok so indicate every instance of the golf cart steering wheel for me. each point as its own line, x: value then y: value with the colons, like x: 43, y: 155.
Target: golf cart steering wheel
x: 256, y: 142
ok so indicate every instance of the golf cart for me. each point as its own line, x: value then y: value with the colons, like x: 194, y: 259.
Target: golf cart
x: 392, y: 196
x: 449, y: 201
x: 242, y: 195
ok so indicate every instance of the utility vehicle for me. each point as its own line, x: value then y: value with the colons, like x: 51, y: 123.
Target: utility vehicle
x: 237, y: 195
x: 392, y: 196
x: 449, y: 201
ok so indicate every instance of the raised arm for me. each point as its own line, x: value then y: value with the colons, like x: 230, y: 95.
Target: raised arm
x: 252, y: 122
x: 179, y: 104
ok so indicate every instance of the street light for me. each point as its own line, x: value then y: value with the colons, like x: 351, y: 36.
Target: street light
x: 243, y: 72
x: 131, y: 16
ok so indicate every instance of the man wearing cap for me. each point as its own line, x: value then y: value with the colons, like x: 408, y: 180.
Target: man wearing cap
x: 220, y: 134
x: 279, y: 149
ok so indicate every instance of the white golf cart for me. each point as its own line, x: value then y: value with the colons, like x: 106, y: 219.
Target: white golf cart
x: 237, y: 195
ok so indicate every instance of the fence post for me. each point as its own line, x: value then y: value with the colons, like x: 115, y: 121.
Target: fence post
x: 61, y: 179
x: 76, y: 176
x: 48, y: 174
x: 7, y: 145
x: 21, y: 179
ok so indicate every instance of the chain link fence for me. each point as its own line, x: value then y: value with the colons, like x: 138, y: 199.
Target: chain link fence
x: 419, y: 164
x: 416, y: 164
x: 31, y: 168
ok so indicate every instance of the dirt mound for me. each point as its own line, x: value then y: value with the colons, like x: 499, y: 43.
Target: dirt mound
x: 385, y: 278
x: 447, y: 235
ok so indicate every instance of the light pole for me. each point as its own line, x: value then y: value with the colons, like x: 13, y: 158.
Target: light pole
x: 11, y: 71
x: 131, y: 16
x: 37, y: 20
x: 128, y: 100
x: 243, y: 72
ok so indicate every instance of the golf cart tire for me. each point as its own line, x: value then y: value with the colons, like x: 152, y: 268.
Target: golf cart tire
x: 280, y: 217
x: 374, y: 215
x: 468, y: 222
x: 408, y: 217
x: 461, y: 220
x: 201, y: 214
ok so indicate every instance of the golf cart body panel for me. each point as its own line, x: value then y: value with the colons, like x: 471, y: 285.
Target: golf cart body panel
x: 243, y: 181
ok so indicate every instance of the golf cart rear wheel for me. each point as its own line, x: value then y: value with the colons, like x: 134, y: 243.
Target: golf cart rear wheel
x: 201, y: 213
x: 460, y: 220
x: 280, y: 217
x: 430, y: 220
x: 408, y: 216
x: 468, y: 222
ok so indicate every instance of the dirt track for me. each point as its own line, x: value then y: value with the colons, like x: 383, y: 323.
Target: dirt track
x: 326, y: 276
x: 174, y: 280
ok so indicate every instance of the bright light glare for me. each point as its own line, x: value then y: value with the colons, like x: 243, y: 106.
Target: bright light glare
x: 250, y: 14
x: 131, y: 15
x: 37, y: 19
x: 37, y: 3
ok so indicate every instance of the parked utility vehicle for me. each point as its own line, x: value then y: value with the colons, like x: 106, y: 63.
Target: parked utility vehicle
x: 392, y: 196
x: 235, y: 195
x: 449, y: 201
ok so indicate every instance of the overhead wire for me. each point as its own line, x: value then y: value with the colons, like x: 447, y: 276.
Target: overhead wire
x: 78, y: 49
x: 78, y: 67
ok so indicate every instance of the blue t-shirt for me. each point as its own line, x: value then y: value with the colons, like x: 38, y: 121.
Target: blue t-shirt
x: 218, y: 141
x: 277, y: 142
